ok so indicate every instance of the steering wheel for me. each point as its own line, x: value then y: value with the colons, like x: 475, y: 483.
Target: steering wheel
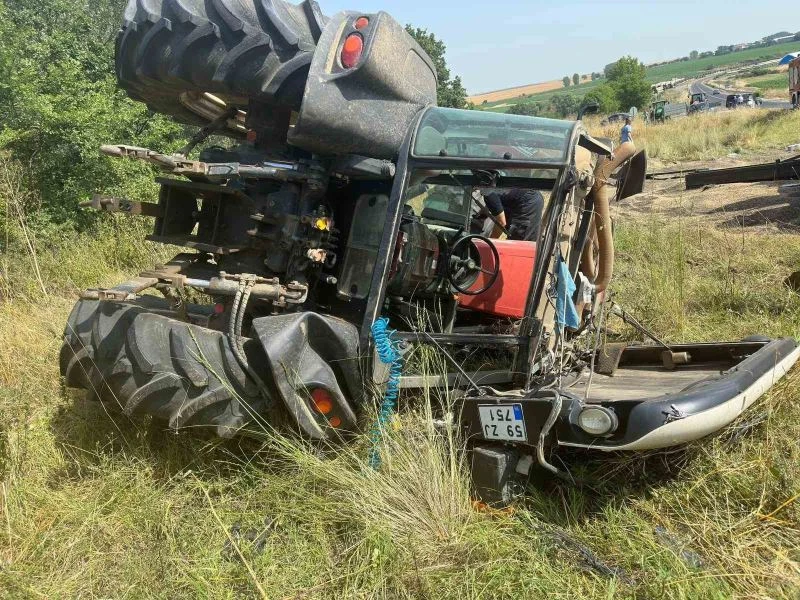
x: 462, y: 271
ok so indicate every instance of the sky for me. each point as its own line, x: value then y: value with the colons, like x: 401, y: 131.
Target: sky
x: 497, y: 44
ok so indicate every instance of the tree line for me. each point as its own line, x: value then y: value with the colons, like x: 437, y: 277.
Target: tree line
x: 625, y: 85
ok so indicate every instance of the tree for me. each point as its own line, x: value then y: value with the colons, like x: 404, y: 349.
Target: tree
x: 628, y: 78
x: 694, y: 54
x: 566, y: 81
x: 606, y: 96
x: 565, y: 104
x: 59, y: 102
x: 451, y: 92
x: 576, y: 79
x: 530, y: 109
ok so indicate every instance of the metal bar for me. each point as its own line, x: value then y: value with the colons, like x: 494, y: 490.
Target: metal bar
x: 479, y: 377
x: 466, y: 339
x: 444, y: 162
x: 777, y: 171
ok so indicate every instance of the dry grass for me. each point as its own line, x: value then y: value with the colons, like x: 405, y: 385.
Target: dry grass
x: 95, y: 505
x: 712, y: 135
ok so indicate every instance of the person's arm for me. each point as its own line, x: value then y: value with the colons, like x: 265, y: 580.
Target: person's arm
x: 494, y: 205
x: 500, y: 225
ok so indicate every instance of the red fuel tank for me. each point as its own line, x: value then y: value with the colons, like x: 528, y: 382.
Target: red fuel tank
x: 509, y: 294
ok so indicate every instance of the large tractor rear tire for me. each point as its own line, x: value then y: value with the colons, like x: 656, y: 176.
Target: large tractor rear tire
x: 170, y: 51
x: 144, y: 363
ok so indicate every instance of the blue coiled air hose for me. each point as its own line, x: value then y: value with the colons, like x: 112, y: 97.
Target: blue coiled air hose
x: 389, y: 354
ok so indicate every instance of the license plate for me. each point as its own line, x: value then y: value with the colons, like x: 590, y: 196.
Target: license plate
x: 503, y: 422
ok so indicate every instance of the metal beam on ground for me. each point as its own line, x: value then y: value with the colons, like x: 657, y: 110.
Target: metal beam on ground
x: 777, y: 171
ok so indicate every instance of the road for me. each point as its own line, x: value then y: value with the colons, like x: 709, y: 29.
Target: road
x: 714, y: 101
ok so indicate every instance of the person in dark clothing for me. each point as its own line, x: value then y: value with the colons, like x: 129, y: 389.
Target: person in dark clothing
x: 518, y: 211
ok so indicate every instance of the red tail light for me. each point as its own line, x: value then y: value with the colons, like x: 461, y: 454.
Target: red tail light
x: 352, y: 50
x: 322, y: 400
x: 361, y: 22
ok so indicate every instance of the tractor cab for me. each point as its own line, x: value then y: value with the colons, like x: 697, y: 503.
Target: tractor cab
x: 658, y: 110
x: 439, y: 279
x: 698, y: 103
x: 698, y: 98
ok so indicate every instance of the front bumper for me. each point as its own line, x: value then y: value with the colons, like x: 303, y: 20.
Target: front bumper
x: 652, y: 423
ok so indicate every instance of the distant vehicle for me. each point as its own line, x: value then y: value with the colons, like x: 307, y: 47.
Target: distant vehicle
x: 698, y: 103
x: 794, y: 82
x: 616, y: 118
x: 658, y: 111
x: 717, y: 93
x: 698, y: 98
x: 740, y: 100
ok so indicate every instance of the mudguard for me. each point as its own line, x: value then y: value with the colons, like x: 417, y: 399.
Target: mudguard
x: 307, y: 351
x: 368, y: 108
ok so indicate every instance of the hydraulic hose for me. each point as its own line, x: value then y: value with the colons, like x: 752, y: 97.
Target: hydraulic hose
x: 588, y: 266
x: 389, y: 354
x: 602, y: 206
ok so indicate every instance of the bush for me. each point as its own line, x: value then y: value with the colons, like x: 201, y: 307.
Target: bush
x: 59, y: 102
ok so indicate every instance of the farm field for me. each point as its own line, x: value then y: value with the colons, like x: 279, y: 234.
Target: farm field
x: 684, y: 69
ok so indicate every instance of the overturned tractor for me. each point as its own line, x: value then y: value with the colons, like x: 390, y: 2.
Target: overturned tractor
x: 347, y: 199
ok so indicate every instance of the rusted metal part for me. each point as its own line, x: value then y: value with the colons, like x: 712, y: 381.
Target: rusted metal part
x: 122, y: 205
x: 225, y: 284
x: 177, y: 164
x: 217, y: 124
x: 136, y: 153
x: 778, y: 171
x: 122, y: 292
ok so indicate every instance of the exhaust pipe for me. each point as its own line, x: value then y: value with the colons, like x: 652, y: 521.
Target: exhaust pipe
x: 602, y: 217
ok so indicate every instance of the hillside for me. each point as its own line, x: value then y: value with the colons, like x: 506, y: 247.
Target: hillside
x: 663, y: 72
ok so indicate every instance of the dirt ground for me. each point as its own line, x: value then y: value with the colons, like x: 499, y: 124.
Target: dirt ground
x: 746, y: 207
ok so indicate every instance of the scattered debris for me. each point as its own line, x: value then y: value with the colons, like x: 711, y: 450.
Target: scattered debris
x: 589, y: 559
x: 257, y: 539
x: 671, y: 541
x: 774, y: 171
x: 740, y: 430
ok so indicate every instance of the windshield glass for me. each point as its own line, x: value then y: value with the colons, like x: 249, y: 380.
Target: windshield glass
x: 438, y: 199
x: 479, y: 134
x: 459, y: 200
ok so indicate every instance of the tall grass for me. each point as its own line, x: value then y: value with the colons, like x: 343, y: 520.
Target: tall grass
x: 93, y: 504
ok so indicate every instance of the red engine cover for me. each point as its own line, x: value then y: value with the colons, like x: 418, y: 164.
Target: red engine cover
x: 509, y: 294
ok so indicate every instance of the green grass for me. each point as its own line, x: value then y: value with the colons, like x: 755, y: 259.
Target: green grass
x: 778, y: 81
x: 692, y: 68
x: 580, y: 90
x: 96, y: 505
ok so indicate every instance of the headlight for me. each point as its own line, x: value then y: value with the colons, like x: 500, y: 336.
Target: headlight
x: 597, y: 420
